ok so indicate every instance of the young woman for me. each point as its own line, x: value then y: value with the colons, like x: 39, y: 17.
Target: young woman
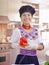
x: 27, y: 54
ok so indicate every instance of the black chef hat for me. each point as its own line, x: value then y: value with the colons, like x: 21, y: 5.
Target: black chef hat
x: 26, y: 8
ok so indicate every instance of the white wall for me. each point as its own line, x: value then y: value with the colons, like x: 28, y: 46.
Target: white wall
x: 44, y: 15
x: 44, y: 18
x: 14, y: 17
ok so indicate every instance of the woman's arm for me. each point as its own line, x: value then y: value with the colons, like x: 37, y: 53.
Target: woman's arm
x: 35, y: 45
x: 15, y: 38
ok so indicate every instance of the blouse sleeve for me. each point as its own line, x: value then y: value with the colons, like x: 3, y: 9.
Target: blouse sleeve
x: 35, y: 42
x: 15, y: 38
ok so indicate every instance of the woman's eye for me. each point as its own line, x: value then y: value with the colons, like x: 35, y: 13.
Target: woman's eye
x: 28, y: 15
x: 23, y: 15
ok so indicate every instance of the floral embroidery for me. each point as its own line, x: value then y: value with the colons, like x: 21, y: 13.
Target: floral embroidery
x: 26, y: 36
x: 36, y: 30
x: 21, y: 31
x: 31, y: 35
x: 36, y: 33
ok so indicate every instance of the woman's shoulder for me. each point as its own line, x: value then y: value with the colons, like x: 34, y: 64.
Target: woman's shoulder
x: 35, y: 29
x: 16, y: 30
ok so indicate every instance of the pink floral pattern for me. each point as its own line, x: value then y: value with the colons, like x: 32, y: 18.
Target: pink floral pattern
x: 32, y: 35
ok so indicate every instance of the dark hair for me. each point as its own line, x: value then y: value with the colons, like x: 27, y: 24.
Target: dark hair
x: 26, y: 8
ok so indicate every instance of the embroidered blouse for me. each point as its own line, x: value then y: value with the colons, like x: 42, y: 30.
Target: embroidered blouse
x: 32, y: 36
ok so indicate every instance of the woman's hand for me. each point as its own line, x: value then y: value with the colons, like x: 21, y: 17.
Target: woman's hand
x: 40, y: 47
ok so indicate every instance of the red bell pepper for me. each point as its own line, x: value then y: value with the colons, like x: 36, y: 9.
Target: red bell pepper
x: 23, y: 42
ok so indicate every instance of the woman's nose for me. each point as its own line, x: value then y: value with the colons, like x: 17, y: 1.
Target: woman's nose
x: 26, y: 16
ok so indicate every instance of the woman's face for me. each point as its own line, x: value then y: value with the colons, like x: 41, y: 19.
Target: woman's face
x: 26, y: 18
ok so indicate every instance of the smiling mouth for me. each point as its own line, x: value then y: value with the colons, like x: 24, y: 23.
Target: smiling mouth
x: 26, y: 19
